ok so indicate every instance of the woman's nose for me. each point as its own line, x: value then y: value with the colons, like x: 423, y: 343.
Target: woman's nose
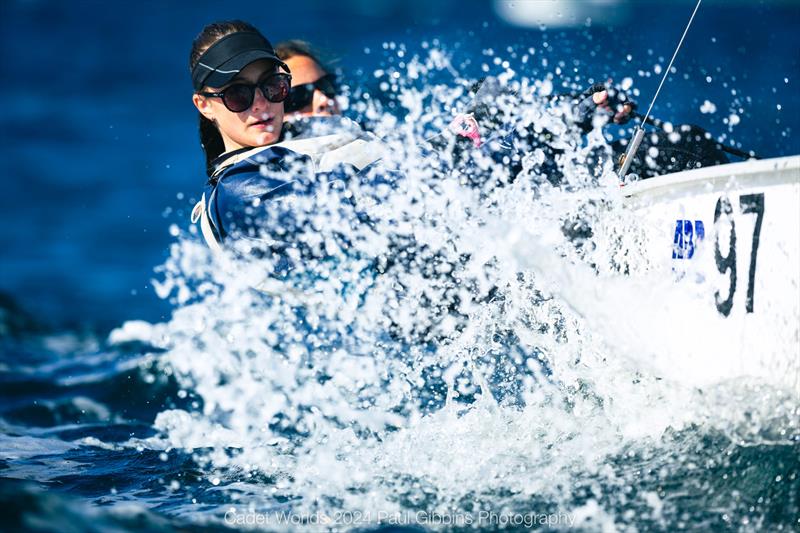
x: 321, y: 102
x: 260, y: 102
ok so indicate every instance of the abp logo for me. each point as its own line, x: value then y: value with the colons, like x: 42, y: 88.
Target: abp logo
x: 687, y: 235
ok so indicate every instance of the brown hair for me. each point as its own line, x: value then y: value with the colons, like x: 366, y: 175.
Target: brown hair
x: 210, y: 138
x: 296, y: 47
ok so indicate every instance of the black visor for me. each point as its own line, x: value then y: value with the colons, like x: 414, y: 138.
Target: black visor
x: 227, y: 57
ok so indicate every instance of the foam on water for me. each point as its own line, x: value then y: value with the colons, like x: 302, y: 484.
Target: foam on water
x: 460, y: 351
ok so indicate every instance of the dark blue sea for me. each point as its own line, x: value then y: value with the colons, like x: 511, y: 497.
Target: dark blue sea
x: 107, y: 427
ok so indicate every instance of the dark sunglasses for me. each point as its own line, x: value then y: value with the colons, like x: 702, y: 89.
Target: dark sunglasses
x: 301, y: 96
x: 239, y: 96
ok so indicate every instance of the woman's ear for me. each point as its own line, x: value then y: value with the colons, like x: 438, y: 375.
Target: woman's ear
x: 203, y: 105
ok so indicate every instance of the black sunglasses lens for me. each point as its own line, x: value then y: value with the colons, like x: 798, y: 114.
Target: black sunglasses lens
x: 299, y: 97
x: 327, y: 84
x: 276, y: 88
x: 238, y: 98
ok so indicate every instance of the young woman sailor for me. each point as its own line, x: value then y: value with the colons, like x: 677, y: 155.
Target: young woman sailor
x: 251, y: 156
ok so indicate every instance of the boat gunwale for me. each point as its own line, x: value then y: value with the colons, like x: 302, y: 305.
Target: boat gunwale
x: 767, y: 172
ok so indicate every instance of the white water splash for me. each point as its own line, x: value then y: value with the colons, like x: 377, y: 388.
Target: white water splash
x: 462, y: 351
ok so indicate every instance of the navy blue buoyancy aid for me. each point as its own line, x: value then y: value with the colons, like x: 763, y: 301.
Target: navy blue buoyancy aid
x: 321, y: 150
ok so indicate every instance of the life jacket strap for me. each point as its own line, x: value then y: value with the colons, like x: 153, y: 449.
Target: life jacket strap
x: 200, y: 213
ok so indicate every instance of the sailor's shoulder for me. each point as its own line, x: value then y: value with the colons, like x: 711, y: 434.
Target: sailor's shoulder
x: 261, y: 160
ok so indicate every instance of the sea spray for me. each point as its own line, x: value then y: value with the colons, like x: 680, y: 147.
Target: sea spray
x: 458, y: 342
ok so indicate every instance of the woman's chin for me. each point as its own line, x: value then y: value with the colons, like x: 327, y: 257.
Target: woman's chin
x: 266, y: 137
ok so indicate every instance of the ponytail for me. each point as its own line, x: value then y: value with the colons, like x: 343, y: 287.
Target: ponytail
x: 211, y: 141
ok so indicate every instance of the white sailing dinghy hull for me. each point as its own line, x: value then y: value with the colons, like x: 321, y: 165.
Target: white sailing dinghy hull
x: 731, y: 234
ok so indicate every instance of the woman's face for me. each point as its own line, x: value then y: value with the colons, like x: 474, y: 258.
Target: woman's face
x: 306, y: 70
x: 259, y: 125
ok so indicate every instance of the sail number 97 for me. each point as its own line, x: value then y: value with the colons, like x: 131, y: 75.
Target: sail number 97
x: 726, y: 263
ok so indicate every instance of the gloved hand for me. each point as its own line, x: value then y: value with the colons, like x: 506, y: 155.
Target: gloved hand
x: 607, y: 99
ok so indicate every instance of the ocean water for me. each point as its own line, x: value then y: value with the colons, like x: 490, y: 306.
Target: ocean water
x: 429, y: 370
